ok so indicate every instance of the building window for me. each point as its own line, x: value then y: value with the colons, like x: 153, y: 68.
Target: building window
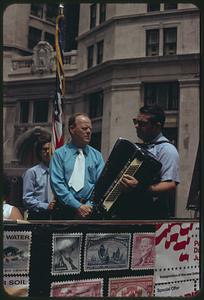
x: 50, y: 38
x: 51, y: 12
x: 90, y: 52
x: 92, y: 15
x: 170, y: 41
x: 172, y: 134
x: 165, y: 94
x: 170, y: 6
x: 34, y: 36
x: 96, y: 140
x: 95, y: 104
x: 99, y: 52
x: 153, y: 7
x: 37, y: 10
x: 102, y: 16
x: 40, y: 112
x: 152, y: 42
x: 24, y: 111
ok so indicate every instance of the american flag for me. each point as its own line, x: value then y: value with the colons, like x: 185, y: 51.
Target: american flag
x: 57, y: 126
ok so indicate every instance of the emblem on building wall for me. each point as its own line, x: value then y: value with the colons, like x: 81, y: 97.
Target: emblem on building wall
x: 43, y: 58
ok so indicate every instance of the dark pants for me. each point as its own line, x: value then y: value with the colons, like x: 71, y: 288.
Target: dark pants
x: 45, y: 215
x: 139, y: 205
x: 62, y: 212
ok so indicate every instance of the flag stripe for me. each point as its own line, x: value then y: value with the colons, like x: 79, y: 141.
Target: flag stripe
x: 57, y: 126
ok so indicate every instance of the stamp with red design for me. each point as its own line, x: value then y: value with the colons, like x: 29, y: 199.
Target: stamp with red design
x: 143, y: 251
x: 79, y: 288
x: 141, y: 286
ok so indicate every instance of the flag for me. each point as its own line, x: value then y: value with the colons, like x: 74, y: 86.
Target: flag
x: 57, y: 126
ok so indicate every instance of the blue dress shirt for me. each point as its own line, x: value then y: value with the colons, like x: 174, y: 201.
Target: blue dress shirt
x: 167, y: 154
x: 35, y: 184
x: 61, y: 168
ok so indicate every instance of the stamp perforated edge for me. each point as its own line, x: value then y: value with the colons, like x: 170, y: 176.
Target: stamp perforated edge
x: 21, y: 286
x: 56, y: 283
x: 102, y: 234
x: 66, y: 235
x: 126, y: 278
x: 145, y: 234
x: 27, y: 269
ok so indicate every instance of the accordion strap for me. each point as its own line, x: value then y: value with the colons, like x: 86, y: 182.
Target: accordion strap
x: 143, y: 145
x: 162, y: 142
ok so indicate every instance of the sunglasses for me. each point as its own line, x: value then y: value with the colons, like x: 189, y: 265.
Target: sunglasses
x: 140, y: 122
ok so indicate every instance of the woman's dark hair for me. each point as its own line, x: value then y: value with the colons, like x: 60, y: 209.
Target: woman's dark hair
x: 42, y: 141
x: 156, y: 113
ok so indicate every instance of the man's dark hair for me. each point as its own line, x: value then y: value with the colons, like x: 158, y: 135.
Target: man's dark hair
x: 42, y: 141
x: 156, y: 113
x: 72, y: 119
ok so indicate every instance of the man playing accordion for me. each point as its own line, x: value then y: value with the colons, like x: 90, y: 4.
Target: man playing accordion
x: 153, y: 201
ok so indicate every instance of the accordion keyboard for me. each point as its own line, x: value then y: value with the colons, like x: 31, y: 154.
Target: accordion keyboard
x: 115, y: 189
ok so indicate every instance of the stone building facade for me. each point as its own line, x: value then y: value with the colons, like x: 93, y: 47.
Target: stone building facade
x: 125, y: 55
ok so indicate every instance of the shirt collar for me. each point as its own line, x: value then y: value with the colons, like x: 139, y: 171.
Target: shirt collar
x: 75, y: 148
x: 44, y: 167
x: 154, y: 140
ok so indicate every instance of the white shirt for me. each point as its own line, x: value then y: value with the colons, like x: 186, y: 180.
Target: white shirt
x: 7, y: 208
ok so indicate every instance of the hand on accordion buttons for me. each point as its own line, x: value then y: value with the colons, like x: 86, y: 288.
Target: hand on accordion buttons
x: 128, y: 182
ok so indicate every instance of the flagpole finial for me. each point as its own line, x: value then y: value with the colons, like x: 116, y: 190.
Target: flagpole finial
x: 61, y: 9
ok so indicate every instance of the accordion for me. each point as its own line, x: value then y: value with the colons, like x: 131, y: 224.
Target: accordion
x: 125, y: 158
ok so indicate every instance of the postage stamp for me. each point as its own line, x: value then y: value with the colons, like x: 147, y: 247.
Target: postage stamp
x: 141, y: 286
x: 16, y: 252
x: 79, y: 288
x: 143, y: 251
x: 17, y: 286
x: 107, y: 251
x: 66, y: 253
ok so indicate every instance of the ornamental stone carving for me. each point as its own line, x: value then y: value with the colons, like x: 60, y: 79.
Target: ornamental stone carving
x: 43, y: 58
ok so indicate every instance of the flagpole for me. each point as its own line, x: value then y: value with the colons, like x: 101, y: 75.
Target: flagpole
x: 57, y: 139
x: 57, y: 126
x: 61, y: 9
x: 59, y: 36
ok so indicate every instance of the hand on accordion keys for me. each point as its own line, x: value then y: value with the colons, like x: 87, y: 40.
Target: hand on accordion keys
x: 128, y: 181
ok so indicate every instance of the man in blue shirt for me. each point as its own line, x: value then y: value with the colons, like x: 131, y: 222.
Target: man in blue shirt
x: 37, y: 194
x: 154, y: 203
x: 73, y: 202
